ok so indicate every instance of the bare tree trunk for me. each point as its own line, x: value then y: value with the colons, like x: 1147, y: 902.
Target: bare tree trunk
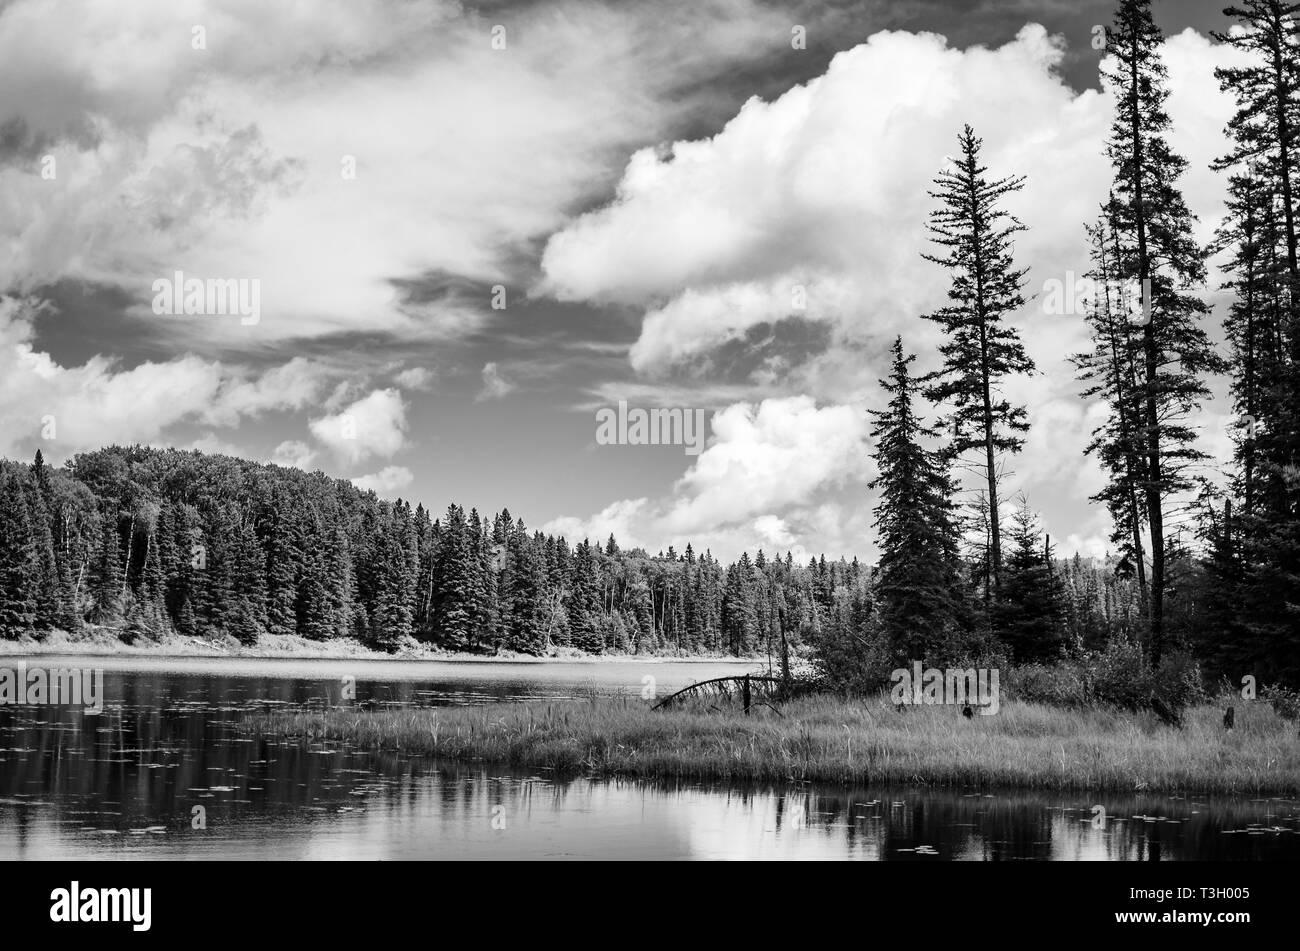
x: 130, y: 545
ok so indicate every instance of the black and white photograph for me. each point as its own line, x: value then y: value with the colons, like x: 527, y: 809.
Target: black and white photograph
x: 714, y: 430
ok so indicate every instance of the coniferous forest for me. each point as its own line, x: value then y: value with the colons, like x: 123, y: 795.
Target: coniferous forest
x: 147, y: 541
x: 1205, y: 571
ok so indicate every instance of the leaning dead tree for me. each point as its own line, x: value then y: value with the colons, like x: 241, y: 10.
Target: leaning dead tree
x: 749, y: 689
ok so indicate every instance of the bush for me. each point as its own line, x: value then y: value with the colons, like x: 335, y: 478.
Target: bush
x: 848, y: 661
x: 1119, y: 676
x: 1285, y: 701
x: 1177, y: 682
x: 1062, y: 685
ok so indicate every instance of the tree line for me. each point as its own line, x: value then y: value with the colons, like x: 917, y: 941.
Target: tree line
x: 149, y: 541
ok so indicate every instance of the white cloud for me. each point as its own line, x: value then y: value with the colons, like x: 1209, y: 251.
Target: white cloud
x: 618, y: 519
x: 386, y: 481
x: 294, y: 454
x: 99, y: 403
x: 231, y: 161
x: 825, y: 189
x: 495, y: 385
x: 765, y: 457
x: 414, y: 378
x: 374, y: 425
x: 212, y: 444
x: 291, y: 386
x: 768, y: 479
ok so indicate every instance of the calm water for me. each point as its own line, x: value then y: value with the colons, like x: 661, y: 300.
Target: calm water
x: 126, y: 784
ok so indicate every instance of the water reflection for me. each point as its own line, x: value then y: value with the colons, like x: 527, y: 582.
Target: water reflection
x: 131, y: 782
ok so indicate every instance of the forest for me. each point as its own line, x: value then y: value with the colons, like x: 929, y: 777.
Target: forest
x: 147, y: 541
x: 1204, y: 580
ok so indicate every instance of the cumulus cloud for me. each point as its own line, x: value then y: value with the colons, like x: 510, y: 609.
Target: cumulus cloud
x: 309, y: 148
x: 763, y: 458
x: 291, y: 386
x: 386, y: 481
x: 294, y: 454
x: 414, y: 378
x: 374, y: 425
x: 768, y: 478
x: 814, y: 206
x: 99, y: 402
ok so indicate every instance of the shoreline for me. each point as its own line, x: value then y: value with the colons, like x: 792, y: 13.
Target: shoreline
x: 828, y: 740
x: 102, y: 643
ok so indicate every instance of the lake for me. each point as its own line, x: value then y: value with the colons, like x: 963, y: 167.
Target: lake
x: 134, y: 781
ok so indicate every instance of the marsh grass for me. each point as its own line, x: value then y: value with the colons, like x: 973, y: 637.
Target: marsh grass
x: 832, y: 740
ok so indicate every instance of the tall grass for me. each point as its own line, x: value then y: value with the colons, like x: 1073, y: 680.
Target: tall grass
x: 828, y: 739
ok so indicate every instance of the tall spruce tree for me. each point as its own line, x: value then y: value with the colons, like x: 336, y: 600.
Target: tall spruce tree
x: 454, y: 583
x: 918, y: 584
x: 1266, y: 126
x: 1162, y: 262
x: 1264, y: 330
x: 981, y: 349
x: 1109, y: 369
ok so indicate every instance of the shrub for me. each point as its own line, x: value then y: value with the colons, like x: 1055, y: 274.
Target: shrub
x: 1177, y: 682
x: 1285, y: 701
x: 847, y: 660
x: 1061, y: 685
x: 1119, y: 676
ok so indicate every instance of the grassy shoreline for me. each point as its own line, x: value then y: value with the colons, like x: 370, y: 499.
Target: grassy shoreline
x: 103, y: 642
x: 824, y: 739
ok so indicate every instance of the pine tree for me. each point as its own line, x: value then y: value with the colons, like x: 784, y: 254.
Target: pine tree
x: 1030, y: 613
x: 738, y: 615
x: 1266, y: 127
x: 1264, y: 331
x: 1110, y: 370
x: 280, y: 540
x: 248, y: 588
x: 918, y: 586
x: 62, y: 611
x: 106, y: 579
x: 19, y: 582
x: 585, y: 601
x: 528, y: 609
x: 1253, y: 326
x: 1163, y: 260
x: 190, y: 559
x: 45, y: 572
x: 391, y: 619
x: 215, y: 576
x: 454, y: 604
x: 980, y: 351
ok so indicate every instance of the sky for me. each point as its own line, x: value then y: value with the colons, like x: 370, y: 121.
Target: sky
x: 472, y: 226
